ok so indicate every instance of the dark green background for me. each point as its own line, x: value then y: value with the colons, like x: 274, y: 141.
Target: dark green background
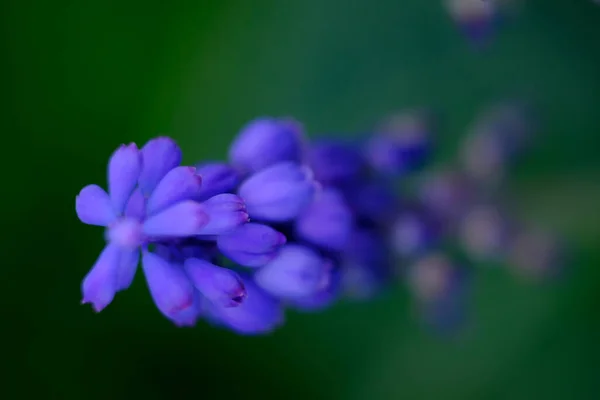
x: 83, y: 76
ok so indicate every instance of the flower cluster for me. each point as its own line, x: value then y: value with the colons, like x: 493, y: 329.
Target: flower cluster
x: 290, y: 223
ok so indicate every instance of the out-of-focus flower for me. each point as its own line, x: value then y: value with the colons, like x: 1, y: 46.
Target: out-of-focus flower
x: 278, y: 193
x: 251, y: 245
x: 327, y: 222
x: 402, y: 144
x: 265, y: 142
x: 446, y: 195
x: 439, y: 288
x: 296, y: 272
x: 217, y: 178
x: 485, y: 233
x: 477, y: 19
x: 335, y: 161
x: 260, y: 313
x: 412, y: 234
x: 536, y: 255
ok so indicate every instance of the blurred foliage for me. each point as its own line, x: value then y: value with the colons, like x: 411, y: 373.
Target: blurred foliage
x: 81, y: 77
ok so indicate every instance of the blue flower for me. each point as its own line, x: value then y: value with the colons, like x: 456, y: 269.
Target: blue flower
x: 278, y: 193
x: 260, y: 313
x: 217, y: 178
x: 327, y: 221
x: 132, y: 222
x: 252, y: 244
x: 402, y: 145
x: 296, y: 272
x: 334, y: 161
x: 265, y: 142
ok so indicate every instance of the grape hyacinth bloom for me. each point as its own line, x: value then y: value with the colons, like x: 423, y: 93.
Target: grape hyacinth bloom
x: 402, y: 144
x: 265, y: 142
x: 126, y: 231
x: 477, y: 19
x: 287, y: 223
x: 278, y: 193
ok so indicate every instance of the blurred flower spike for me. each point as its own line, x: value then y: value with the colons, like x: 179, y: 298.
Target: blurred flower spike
x: 289, y: 223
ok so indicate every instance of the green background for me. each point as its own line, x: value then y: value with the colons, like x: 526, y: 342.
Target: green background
x: 83, y: 76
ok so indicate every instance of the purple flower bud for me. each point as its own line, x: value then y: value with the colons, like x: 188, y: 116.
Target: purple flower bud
x: 190, y: 315
x: 219, y: 285
x: 186, y: 218
x: 536, y: 255
x: 251, y: 245
x: 259, y: 313
x: 327, y: 221
x: 296, y: 272
x: 447, y: 195
x: 124, y: 169
x: 265, y: 142
x: 365, y: 264
x: 225, y: 213
x: 334, y: 161
x: 374, y: 200
x: 217, y: 178
x: 93, y: 206
x: 412, y: 234
x: 160, y: 155
x: 278, y: 193
x: 440, y: 289
x: 170, y: 287
x: 476, y: 18
x: 180, y: 183
x: 402, y: 145
x: 322, y: 299
x: 485, y: 233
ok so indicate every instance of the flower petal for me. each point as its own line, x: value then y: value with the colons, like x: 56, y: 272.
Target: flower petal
x: 136, y: 206
x: 181, y: 183
x: 169, y: 286
x: 100, y: 284
x: 221, y: 286
x: 93, y: 206
x: 182, y: 219
x: 160, y: 155
x: 127, y: 268
x: 123, y: 171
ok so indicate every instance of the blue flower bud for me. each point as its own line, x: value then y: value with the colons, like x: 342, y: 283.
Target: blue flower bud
x: 217, y: 178
x: 265, y: 142
x: 327, y: 221
x: 400, y: 146
x: 278, y: 193
x: 334, y: 161
x: 251, y: 245
x: 219, y: 285
x: 296, y: 272
x: 225, y: 213
x: 259, y: 313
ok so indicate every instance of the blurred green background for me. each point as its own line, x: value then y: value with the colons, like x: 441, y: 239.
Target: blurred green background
x: 83, y: 76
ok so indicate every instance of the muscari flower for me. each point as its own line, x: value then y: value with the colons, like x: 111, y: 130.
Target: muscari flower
x: 134, y: 221
x: 265, y: 142
x: 278, y: 193
x: 403, y: 144
x: 477, y: 19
